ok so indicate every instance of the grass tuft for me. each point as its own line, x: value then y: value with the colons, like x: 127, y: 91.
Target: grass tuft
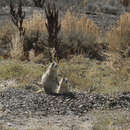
x: 83, y: 74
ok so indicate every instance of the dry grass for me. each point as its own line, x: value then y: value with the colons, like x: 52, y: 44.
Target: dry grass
x: 82, y: 73
x: 111, y: 120
x: 119, y: 36
x: 17, y: 46
x: 6, y: 32
x: 10, y: 37
x: 104, y: 77
x: 72, y: 23
x: 24, y: 73
x: 35, y: 23
x: 85, y: 74
x: 78, y: 34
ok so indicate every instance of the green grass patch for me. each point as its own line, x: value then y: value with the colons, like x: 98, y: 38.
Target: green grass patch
x: 24, y: 72
x: 82, y: 73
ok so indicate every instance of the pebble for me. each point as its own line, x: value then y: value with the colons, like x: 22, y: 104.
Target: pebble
x: 20, y: 101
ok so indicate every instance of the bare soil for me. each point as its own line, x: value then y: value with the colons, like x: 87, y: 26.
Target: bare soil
x: 20, y: 108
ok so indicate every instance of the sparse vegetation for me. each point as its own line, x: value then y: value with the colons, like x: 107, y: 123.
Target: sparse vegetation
x: 119, y: 36
x: 93, y: 60
x: 90, y: 73
x: 17, y: 49
x: 111, y: 120
x: 22, y: 72
x: 78, y: 35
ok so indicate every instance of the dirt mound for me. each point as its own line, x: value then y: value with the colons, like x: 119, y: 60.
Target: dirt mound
x: 19, y: 101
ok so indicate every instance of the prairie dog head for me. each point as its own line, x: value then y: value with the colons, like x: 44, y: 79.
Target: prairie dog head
x: 64, y: 81
x: 63, y: 86
x: 53, y: 67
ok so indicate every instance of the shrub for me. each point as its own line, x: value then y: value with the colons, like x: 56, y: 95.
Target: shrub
x: 77, y: 35
x: 53, y: 28
x: 36, y: 33
x: 119, y: 36
x: 80, y: 34
x: 16, y: 47
x: 6, y: 32
x: 35, y: 23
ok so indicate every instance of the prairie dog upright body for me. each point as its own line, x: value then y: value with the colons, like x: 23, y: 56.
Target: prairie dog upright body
x: 49, y: 79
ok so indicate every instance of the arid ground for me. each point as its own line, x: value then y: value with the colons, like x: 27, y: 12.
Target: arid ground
x: 94, y: 49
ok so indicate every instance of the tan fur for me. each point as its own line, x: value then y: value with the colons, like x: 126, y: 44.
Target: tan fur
x: 49, y: 79
x: 63, y: 86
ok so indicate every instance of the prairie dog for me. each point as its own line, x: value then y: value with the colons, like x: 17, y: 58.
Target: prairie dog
x: 49, y: 79
x: 63, y: 86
